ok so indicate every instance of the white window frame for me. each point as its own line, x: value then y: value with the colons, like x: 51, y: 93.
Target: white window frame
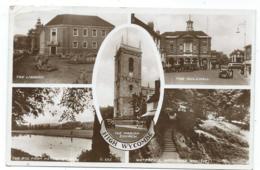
x: 84, y: 43
x: 102, y: 33
x: 85, y: 35
x: 95, y: 45
x: 181, y: 48
x: 73, y: 44
x: 77, y: 32
x: 95, y: 34
x: 56, y: 37
x: 188, y: 47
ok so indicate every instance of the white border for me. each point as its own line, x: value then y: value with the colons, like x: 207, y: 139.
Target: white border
x: 233, y: 6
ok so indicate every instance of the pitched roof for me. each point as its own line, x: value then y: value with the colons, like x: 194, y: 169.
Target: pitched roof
x: 179, y: 33
x: 86, y: 20
x: 137, y: 21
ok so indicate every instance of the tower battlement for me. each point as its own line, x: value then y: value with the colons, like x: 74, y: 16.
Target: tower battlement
x: 127, y: 79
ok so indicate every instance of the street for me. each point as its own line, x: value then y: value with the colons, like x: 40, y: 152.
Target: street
x: 205, y: 77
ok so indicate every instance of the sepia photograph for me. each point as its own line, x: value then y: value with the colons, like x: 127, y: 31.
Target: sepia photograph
x: 202, y: 49
x: 57, y: 124
x: 200, y: 126
x: 127, y: 86
x: 58, y: 45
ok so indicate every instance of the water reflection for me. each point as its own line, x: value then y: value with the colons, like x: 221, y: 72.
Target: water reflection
x: 58, y: 148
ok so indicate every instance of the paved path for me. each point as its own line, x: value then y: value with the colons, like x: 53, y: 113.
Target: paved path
x: 169, y: 153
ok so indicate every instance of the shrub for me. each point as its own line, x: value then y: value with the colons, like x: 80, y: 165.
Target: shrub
x: 90, y: 156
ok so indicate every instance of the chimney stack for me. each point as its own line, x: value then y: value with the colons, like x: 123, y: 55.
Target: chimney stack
x: 151, y: 25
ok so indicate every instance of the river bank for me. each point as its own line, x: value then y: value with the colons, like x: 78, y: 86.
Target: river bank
x: 75, y: 133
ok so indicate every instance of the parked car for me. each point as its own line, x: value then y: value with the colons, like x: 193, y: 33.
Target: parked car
x: 225, y: 72
x: 235, y: 65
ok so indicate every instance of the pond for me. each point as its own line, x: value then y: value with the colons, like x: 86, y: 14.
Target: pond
x: 58, y: 148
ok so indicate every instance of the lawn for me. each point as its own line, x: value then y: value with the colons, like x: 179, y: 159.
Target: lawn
x: 24, y: 71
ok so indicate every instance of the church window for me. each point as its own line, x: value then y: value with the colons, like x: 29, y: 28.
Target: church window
x: 130, y: 87
x: 131, y: 65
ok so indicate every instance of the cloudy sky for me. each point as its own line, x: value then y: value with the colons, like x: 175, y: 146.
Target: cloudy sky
x: 222, y: 28
x: 105, y: 75
x: 47, y: 117
x: 25, y: 18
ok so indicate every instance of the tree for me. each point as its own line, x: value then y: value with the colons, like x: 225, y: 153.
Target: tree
x: 27, y: 101
x: 32, y: 101
x: 138, y: 104
x: 234, y: 104
x: 107, y: 112
x: 222, y: 59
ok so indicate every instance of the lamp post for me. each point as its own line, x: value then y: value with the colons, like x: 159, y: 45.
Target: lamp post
x: 243, y: 24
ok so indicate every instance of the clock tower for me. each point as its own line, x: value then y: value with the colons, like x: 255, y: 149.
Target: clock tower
x: 127, y: 79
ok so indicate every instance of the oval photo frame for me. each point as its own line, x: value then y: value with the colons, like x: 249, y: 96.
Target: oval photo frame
x: 119, y: 90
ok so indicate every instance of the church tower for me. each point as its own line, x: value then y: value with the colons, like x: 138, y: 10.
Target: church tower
x: 127, y: 79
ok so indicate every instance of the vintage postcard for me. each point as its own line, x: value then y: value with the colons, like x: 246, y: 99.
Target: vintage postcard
x: 135, y: 88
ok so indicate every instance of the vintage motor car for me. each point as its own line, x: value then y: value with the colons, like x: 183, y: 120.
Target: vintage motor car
x: 225, y: 72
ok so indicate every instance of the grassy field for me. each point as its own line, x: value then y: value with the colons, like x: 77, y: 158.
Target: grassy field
x: 57, y: 133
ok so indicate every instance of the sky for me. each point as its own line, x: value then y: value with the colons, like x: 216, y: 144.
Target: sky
x: 221, y: 28
x: 47, y: 117
x: 25, y: 18
x: 105, y: 66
